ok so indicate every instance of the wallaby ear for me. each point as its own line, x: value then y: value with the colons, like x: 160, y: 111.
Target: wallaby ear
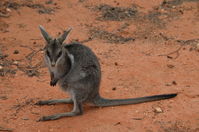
x: 45, y: 34
x: 64, y: 35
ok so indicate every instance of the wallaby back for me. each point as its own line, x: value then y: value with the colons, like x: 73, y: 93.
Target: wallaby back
x: 86, y: 61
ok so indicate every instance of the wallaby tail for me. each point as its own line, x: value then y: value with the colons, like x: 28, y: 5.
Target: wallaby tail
x: 102, y: 102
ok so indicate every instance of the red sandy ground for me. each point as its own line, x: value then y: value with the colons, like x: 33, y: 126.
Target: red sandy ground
x: 155, y: 63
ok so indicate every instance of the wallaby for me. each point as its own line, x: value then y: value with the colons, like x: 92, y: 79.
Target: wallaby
x: 77, y: 71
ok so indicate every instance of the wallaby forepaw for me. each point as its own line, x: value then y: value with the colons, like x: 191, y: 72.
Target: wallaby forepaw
x: 53, y: 83
x: 39, y: 103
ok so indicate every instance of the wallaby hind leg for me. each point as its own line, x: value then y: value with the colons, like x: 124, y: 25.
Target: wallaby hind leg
x: 55, y: 101
x: 77, y: 110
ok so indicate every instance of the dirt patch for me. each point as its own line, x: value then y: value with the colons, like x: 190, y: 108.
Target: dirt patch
x: 171, y: 3
x: 167, y: 11
x: 5, y: 129
x: 22, y: 105
x: 5, y: 65
x: 149, y: 25
x: 3, y: 27
x: 178, y: 127
x: 116, y: 13
x: 25, y: 65
x: 41, y: 9
x: 193, y: 42
x: 109, y: 37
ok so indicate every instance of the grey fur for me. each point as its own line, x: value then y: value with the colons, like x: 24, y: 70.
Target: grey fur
x: 64, y: 35
x: 77, y: 71
x: 45, y: 34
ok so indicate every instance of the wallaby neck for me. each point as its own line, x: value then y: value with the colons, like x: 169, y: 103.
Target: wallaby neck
x: 68, y: 63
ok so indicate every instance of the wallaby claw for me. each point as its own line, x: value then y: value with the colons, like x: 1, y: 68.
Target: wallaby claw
x: 39, y: 103
x: 53, y: 82
x: 42, y: 119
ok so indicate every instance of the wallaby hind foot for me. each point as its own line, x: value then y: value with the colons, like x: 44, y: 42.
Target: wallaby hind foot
x: 77, y: 110
x: 58, y: 116
x: 54, y: 101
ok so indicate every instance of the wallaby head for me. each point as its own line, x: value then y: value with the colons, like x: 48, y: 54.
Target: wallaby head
x: 54, y: 50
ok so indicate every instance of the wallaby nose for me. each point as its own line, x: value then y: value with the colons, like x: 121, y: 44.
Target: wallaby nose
x: 53, y: 64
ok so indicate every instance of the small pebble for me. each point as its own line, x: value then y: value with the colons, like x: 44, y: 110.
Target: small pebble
x: 118, y: 123
x: 169, y: 57
x: 170, y: 66
x: 25, y: 118
x: 15, y: 62
x: 197, y: 46
x: 162, y: 10
x: 114, y: 88
x: 1, y: 67
x: 49, y: 20
x: 3, y: 97
x: 167, y: 84
x: 8, y: 10
x: 16, y: 52
x: 158, y: 110
x: 49, y: 2
x: 174, y: 83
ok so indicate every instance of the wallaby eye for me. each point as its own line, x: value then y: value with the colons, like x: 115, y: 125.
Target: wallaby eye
x: 60, y: 53
x: 48, y: 54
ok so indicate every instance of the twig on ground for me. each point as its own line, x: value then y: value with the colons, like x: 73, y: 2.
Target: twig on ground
x: 6, y: 129
x: 4, y: 15
x: 173, y: 52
